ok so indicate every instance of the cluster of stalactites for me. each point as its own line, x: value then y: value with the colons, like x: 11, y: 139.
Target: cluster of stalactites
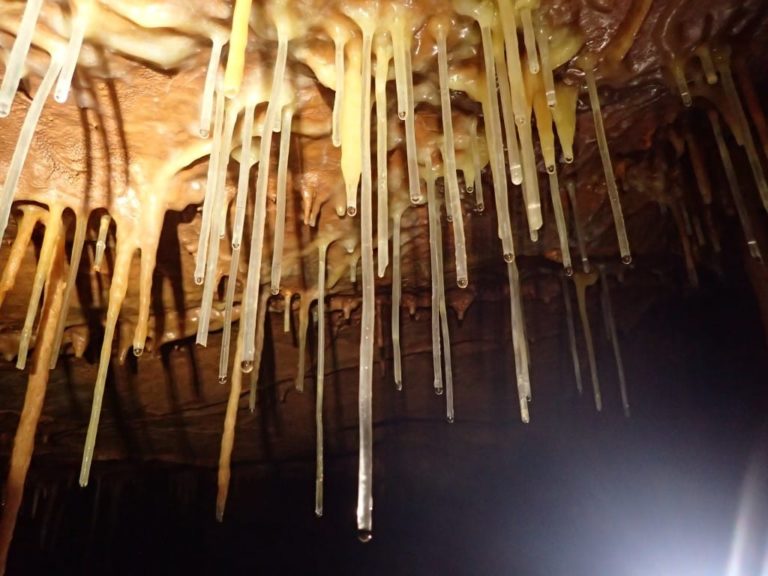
x: 518, y: 79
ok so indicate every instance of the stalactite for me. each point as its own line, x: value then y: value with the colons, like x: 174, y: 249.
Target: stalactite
x: 257, y: 233
x: 261, y: 326
x: 244, y: 174
x: 733, y: 184
x: 105, y: 221
x: 304, y: 304
x: 206, y: 102
x: 117, y: 292
x: 529, y: 38
x: 546, y: 133
x: 152, y: 223
x: 542, y: 39
x: 282, y: 192
x: 14, y: 65
x: 514, y: 67
x: 229, y: 299
x: 340, y: 43
x: 31, y: 215
x: 723, y: 64
x: 401, y: 46
x: 570, y: 186
x: 614, y: 338
x: 383, y: 56
x: 562, y: 227
x: 81, y: 226
x: 24, y: 142
x: 287, y: 312
x: 24, y: 440
x: 678, y: 71
x: 478, y: 168
x: 322, y: 249
x: 572, y: 335
x: 495, y: 144
x: 50, y: 242
x: 210, y: 188
x: 582, y: 281
x: 238, y: 42
x: 351, y: 152
x: 564, y: 115
x: 78, y: 25
x: 610, y: 178
x: 518, y: 343
x: 513, y: 148
x: 216, y: 228
x: 228, y: 436
x: 449, y: 159
x: 434, y: 269
x: 396, y: 297
x: 705, y: 57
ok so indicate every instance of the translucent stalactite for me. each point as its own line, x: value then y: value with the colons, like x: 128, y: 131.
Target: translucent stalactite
x: 244, y: 175
x: 79, y: 23
x: 228, y: 437
x: 365, y: 394
x: 338, y: 99
x: 396, y: 298
x: 282, y: 192
x: 733, y: 183
x: 449, y: 162
x: 117, y: 292
x: 229, y: 305
x: 206, y: 102
x: 564, y: 115
x: 572, y: 335
x: 210, y: 188
x: 81, y: 226
x: 14, y: 65
x: 514, y: 67
x: 513, y: 148
x: 287, y: 312
x: 678, y: 71
x: 257, y: 233
x: 610, y: 178
x: 323, y: 249
x: 434, y: 222
x: 546, y: 132
x: 304, y: 304
x: 570, y: 186
x: 366, y: 181
x: 50, y: 241
x: 441, y: 307
x: 734, y: 101
x: 152, y: 223
x: 351, y: 152
x: 31, y: 215
x: 383, y: 56
x: 401, y: 46
x: 19, y: 157
x: 518, y: 341
x: 477, y: 167
x: 542, y: 39
x: 238, y: 42
x: 562, y: 227
x: 610, y: 323
x: 582, y: 281
x: 530, y: 180
x: 495, y: 145
x: 529, y: 38
x: 217, y: 227
x: 105, y: 221
x: 705, y: 57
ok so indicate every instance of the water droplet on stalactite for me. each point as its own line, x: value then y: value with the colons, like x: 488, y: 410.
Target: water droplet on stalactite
x: 351, y: 211
x: 398, y: 385
x: 568, y: 159
x: 462, y: 282
x: 138, y: 351
x: 569, y: 271
x: 402, y: 115
x: 222, y: 380
x: 509, y: 257
x: 246, y: 366
x: 626, y: 259
x: 274, y: 291
x: 534, y: 235
x: 364, y: 536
